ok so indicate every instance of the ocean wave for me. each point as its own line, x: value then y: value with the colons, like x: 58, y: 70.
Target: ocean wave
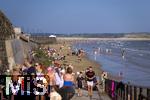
x: 137, y: 50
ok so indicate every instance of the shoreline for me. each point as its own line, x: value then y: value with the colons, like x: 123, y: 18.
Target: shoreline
x: 85, y: 39
x: 86, y: 62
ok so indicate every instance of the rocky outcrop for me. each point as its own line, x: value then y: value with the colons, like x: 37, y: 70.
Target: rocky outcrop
x: 6, y: 33
x: 6, y: 28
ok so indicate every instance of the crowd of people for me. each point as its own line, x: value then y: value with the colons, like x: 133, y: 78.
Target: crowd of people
x: 35, y: 80
x: 55, y: 82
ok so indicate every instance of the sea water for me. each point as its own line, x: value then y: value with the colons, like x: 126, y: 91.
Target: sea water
x: 133, y: 64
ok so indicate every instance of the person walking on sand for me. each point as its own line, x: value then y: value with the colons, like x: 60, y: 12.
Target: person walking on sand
x: 90, y: 75
x: 79, y: 83
x: 67, y: 91
x: 103, y: 77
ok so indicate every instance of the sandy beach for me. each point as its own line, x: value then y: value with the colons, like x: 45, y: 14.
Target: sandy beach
x: 73, y: 60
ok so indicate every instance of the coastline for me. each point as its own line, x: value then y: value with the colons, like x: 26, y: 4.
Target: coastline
x: 86, y: 61
x: 79, y: 65
x: 85, y: 39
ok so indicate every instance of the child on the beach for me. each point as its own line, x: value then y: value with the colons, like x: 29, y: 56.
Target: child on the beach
x: 79, y: 83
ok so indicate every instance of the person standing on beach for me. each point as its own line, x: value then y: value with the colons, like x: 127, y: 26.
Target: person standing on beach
x: 67, y: 91
x: 31, y: 69
x: 79, y: 54
x: 123, y: 53
x: 58, y: 79
x: 90, y: 75
x: 40, y: 82
x: 51, y: 77
x: 103, y: 77
x: 79, y: 83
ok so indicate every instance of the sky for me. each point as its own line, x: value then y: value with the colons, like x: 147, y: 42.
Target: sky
x: 78, y: 16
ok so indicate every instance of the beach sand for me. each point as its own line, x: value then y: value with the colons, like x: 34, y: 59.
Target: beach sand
x: 73, y: 60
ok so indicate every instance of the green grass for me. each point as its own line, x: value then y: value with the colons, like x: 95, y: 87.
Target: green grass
x: 41, y: 57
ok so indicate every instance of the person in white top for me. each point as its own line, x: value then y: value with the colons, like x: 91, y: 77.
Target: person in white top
x: 40, y: 82
x: 15, y: 86
x: 59, y: 78
x: 15, y: 82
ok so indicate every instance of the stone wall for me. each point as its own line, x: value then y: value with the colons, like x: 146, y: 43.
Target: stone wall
x: 6, y: 33
x: 44, y: 39
x: 17, y: 51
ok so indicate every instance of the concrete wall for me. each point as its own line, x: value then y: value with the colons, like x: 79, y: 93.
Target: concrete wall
x: 44, y: 39
x: 17, y: 51
x: 10, y: 56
